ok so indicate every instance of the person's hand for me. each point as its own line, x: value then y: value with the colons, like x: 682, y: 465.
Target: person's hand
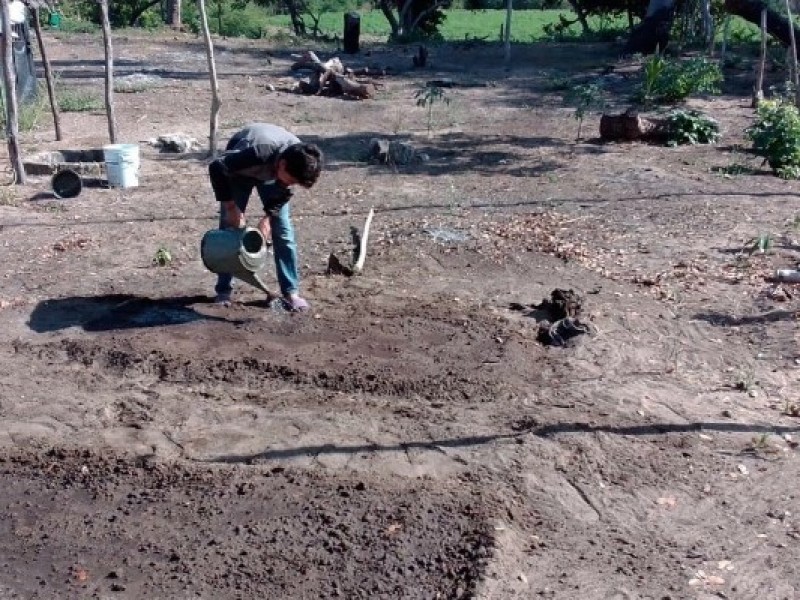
x: 266, y: 230
x: 233, y: 216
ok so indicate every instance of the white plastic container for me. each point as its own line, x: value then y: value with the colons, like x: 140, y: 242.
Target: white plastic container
x: 122, y: 165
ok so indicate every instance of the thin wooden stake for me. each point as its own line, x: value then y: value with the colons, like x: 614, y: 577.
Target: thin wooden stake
x: 48, y: 74
x: 212, y: 72
x: 10, y: 92
x: 758, y: 91
x: 112, y: 122
x: 725, y: 37
x: 793, y: 46
x: 507, y: 35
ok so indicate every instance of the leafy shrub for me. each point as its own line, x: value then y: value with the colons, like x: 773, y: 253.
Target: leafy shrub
x: 776, y: 137
x: 691, y: 127
x: 667, y: 81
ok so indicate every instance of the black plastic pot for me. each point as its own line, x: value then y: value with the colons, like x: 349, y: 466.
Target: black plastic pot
x: 66, y: 184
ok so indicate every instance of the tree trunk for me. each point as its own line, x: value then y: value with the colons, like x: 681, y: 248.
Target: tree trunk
x: 212, y: 73
x: 112, y: 122
x: 777, y: 24
x: 139, y: 11
x: 10, y: 90
x: 652, y: 34
x: 388, y: 12
x: 48, y: 74
x: 294, y: 15
x: 581, y: 15
x: 174, y: 14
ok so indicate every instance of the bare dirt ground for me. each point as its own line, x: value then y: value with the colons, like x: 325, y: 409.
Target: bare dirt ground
x: 410, y: 437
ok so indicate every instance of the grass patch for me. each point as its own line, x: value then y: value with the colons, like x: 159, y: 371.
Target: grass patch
x: 74, y: 100
x: 28, y: 116
x: 8, y: 196
x: 133, y: 84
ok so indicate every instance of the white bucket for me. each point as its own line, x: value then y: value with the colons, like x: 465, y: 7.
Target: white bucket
x: 122, y: 165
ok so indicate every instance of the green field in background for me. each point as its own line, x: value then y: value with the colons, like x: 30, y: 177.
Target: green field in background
x: 526, y: 25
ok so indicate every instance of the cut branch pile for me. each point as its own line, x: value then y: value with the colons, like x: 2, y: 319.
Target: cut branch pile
x: 331, y: 78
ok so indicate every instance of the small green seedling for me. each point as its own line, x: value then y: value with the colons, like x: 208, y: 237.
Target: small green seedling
x: 162, y: 258
x: 584, y: 98
x: 427, y: 97
x: 759, y: 245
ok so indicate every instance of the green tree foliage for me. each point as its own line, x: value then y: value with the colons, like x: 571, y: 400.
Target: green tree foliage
x: 414, y: 19
x: 122, y: 13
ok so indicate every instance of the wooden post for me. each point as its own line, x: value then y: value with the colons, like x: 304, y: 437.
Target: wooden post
x: 725, y: 37
x: 10, y: 93
x: 112, y: 123
x: 793, y: 46
x: 212, y: 72
x: 48, y: 74
x: 758, y: 91
x: 507, y: 36
x: 708, y: 25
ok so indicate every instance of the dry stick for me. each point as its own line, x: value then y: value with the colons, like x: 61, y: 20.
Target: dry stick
x: 48, y: 74
x: 758, y: 92
x: 793, y: 46
x: 10, y: 92
x: 112, y: 122
x: 212, y: 72
x: 362, y: 251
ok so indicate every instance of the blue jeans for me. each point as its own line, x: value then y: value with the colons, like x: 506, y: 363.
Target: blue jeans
x: 283, y: 242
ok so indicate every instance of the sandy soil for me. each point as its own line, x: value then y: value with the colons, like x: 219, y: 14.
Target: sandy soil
x: 410, y: 437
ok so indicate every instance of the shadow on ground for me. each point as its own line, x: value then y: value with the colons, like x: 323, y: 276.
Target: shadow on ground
x: 517, y: 433
x: 117, y: 311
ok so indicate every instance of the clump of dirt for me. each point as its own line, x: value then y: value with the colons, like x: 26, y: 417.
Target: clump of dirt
x: 559, y: 317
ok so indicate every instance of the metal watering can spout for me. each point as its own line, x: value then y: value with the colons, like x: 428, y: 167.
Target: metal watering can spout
x: 239, y: 252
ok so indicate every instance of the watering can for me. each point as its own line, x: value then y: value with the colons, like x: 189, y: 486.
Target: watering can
x: 239, y: 252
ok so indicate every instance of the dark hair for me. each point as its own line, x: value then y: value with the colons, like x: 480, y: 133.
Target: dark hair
x: 303, y: 163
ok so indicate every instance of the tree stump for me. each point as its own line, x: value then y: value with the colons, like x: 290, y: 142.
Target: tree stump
x: 631, y: 127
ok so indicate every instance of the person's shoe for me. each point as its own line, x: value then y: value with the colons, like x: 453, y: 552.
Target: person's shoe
x: 295, y: 303
x: 223, y: 299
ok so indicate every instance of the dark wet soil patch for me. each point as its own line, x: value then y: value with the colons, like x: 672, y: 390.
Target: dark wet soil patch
x: 424, y: 351
x: 78, y: 525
